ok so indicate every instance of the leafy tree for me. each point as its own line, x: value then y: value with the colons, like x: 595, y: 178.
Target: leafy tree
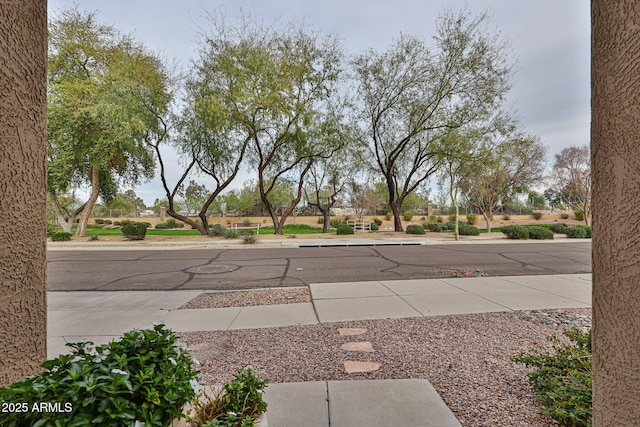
x: 572, y: 174
x: 100, y: 85
x: 127, y: 203
x: 412, y: 96
x: 514, y: 163
x: 536, y: 200
x: 193, y: 196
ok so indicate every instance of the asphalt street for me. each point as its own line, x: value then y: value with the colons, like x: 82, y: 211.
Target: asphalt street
x: 226, y: 269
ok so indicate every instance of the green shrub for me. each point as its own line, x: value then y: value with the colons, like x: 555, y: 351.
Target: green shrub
x: 540, y: 233
x: 321, y: 220
x: 452, y: 218
x: 108, y: 222
x: 172, y: 223
x: 468, y: 230
x: 448, y: 226
x: 472, y: 218
x: 564, y: 215
x: 216, y: 230
x: 515, y: 231
x: 373, y: 226
x: 388, y: 216
x: 335, y: 222
x: 134, y: 230
x: 125, y: 222
x: 432, y: 226
x: 579, y: 215
x: 415, y: 229
x: 408, y: 215
x: 144, y: 377
x: 559, y: 228
x: 117, y: 223
x: 60, y: 237
x: 378, y: 221
x: 161, y: 226
x: 506, y: 217
x: 586, y: 228
x: 99, y: 221
x: 51, y: 229
x: 344, y: 229
x: 562, y: 379
x: 249, y: 239
x: 439, y: 219
x: 537, y: 215
x: 575, y: 232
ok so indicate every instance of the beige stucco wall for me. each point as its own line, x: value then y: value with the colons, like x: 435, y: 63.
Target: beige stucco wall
x: 23, y: 312
x: 615, y: 144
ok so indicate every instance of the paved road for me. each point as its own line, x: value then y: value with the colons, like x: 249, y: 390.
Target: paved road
x: 257, y: 268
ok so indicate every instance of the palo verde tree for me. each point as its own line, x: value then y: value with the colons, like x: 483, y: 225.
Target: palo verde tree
x: 100, y: 85
x: 273, y: 90
x: 411, y: 95
x: 571, y: 174
x: 514, y: 163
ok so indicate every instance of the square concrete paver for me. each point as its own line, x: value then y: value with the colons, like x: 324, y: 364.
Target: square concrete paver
x: 207, y: 319
x: 266, y: 316
x: 532, y: 300
x: 297, y: 404
x: 383, y: 403
x: 348, y: 290
x: 93, y: 322
x: 336, y: 310
x: 463, y: 303
x: 77, y: 300
x: 146, y: 300
x: 479, y: 284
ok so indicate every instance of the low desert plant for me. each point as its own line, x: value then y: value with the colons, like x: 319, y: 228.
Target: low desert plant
x: 472, y: 218
x: 559, y: 227
x: 99, y: 221
x: 415, y: 229
x: 143, y: 378
x: 468, y: 230
x: 373, y: 226
x: 439, y: 219
x: 515, y: 231
x: 407, y: 216
x: 161, y: 226
x: 562, y: 379
x: 378, y: 221
x: 134, y: 230
x: 434, y: 227
x: 108, y: 222
x: 388, y: 216
x: 335, y: 222
x: 249, y: 239
x: 343, y: 229
x: 540, y: 233
x: 578, y: 215
x: 463, y: 273
x: 216, y: 230
x: 575, y: 232
x: 172, y: 223
x: 94, y: 238
x: 537, y: 215
x: 506, y: 217
x: 60, y: 237
x: 230, y: 233
x: 564, y: 215
x: 586, y: 228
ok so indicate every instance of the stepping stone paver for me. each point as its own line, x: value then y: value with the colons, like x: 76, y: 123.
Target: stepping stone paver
x: 364, y: 346
x: 351, y: 331
x: 352, y: 367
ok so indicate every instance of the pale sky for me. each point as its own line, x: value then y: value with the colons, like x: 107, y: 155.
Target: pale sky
x: 550, y: 40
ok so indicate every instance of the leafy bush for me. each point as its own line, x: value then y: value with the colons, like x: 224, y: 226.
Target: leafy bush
x: 586, y: 228
x: 238, y: 405
x: 107, y: 222
x: 172, y: 223
x: 321, y: 220
x: 162, y: 226
x: 579, y: 215
x: 407, y: 216
x: 472, y: 218
x: 60, y: 237
x: 515, y: 231
x: 564, y: 215
x: 562, y: 379
x: 559, y: 228
x: 51, y: 229
x: 118, y: 223
x: 432, y: 226
x: 249, y: 239
x: 134, y: 230
x: 540, y: 233
x: 344, y: 229
x: 335, y: 222
x: 506, y: 217
x: 452, y: 225
x: 144, y: 377
x: 388, y: 216
x: 125, y: 222
x: 378, y: 221
x: 99, y: 221
x: 468, y: 230
x: 537, y: 215
x: 216, y: 230
x: 439, y: 219
x: 575, y: 232
x: 415, y: 229
x: 373, y: 226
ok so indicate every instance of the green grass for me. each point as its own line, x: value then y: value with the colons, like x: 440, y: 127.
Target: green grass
x: 293, y: 229
x: 95, y: 231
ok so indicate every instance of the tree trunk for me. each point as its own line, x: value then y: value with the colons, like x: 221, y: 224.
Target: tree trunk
x: 397, y: 220
x: 95, y: 192
x: 326, y: 217
x: 65, y: 219
x: 487, y: 218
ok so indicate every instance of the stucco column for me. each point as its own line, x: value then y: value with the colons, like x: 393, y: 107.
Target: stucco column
x: 615, y: 148
x: 23, y: 148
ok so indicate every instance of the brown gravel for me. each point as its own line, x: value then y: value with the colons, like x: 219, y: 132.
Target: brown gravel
x: 467, y: 358
x: 249, y: 298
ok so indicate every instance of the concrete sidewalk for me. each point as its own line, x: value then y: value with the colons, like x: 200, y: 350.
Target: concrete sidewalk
x: 103, y: 316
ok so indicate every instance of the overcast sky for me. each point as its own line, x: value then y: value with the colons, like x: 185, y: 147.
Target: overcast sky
x: 550, y: 40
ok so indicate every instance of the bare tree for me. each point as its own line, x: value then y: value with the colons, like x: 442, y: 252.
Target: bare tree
x: 572, y: 176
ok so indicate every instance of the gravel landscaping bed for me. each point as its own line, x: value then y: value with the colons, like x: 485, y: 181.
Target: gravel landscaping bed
x: 249, y: 298
x: 467, y: 358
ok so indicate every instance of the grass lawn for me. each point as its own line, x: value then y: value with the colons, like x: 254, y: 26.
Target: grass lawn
x: 101, y: 231
x: 293, y: 229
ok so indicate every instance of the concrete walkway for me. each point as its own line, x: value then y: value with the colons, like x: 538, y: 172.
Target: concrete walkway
x: 103, y: 316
